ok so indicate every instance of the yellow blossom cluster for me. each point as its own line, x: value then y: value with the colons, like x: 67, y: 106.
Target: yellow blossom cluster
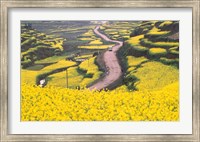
x: 60, y: 104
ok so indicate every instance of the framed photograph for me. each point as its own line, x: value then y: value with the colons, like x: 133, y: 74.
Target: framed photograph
x: 100, y: 70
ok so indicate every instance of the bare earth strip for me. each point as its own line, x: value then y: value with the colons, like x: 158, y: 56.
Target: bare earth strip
x: 111, y: 62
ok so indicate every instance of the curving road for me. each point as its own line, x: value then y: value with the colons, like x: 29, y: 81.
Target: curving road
x: 111, y: 62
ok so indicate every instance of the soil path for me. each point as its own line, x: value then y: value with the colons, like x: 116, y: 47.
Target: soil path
x: 113, y: 68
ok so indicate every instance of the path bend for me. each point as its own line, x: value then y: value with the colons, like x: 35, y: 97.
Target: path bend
x: 111, y: 62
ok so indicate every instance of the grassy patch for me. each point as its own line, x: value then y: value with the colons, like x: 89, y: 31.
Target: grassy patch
x: 59, y: 79
x: 52, y: 59
x: 84, y: 56
x: 35, y: 67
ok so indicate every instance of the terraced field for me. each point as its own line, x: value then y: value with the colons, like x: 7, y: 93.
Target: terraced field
x: 118, y: 30
x: 47, y: 51
x: 94, y: 42
x: 151, y: 53
x: 71, y: 58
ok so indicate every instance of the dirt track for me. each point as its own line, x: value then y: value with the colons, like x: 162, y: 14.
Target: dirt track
x: 111, y: 62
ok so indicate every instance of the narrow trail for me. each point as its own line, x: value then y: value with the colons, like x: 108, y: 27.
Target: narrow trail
x: 111, y: 62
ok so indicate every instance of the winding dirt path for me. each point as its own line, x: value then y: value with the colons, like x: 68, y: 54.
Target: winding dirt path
x: 111, y: 62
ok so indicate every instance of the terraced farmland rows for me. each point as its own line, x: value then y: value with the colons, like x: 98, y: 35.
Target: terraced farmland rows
x: 150, y: 84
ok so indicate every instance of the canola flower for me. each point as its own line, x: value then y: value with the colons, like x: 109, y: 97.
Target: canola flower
x: 157, y: 51
x: 60, y: 104
x: 135, y: 40
x: 165, y: 23
x: 157, y: 97
x: 89, y: 33
x: 154, y: 75
x: 156, y: 31
x: 135, y: 43
x: 58, y: 44
x: 96, y: 42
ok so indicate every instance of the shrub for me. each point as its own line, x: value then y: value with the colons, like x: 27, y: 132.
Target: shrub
x: 167, y: 61
x: 26, y: 63
x: 88, y: 75
x: 129, y: 81
x: 174, y: 52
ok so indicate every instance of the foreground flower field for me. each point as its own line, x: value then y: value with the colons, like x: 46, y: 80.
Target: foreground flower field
x: 61, y: 104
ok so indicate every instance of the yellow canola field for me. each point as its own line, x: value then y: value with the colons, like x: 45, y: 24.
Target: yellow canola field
x: 60, y: 104
x: 154, y: 75
x: 135, y: 40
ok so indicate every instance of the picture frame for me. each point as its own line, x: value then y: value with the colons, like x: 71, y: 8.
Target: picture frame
x: 6, y: 5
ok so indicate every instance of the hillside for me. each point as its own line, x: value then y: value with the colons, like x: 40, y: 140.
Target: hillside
x: 152, y: 50
x: 136, y: 62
